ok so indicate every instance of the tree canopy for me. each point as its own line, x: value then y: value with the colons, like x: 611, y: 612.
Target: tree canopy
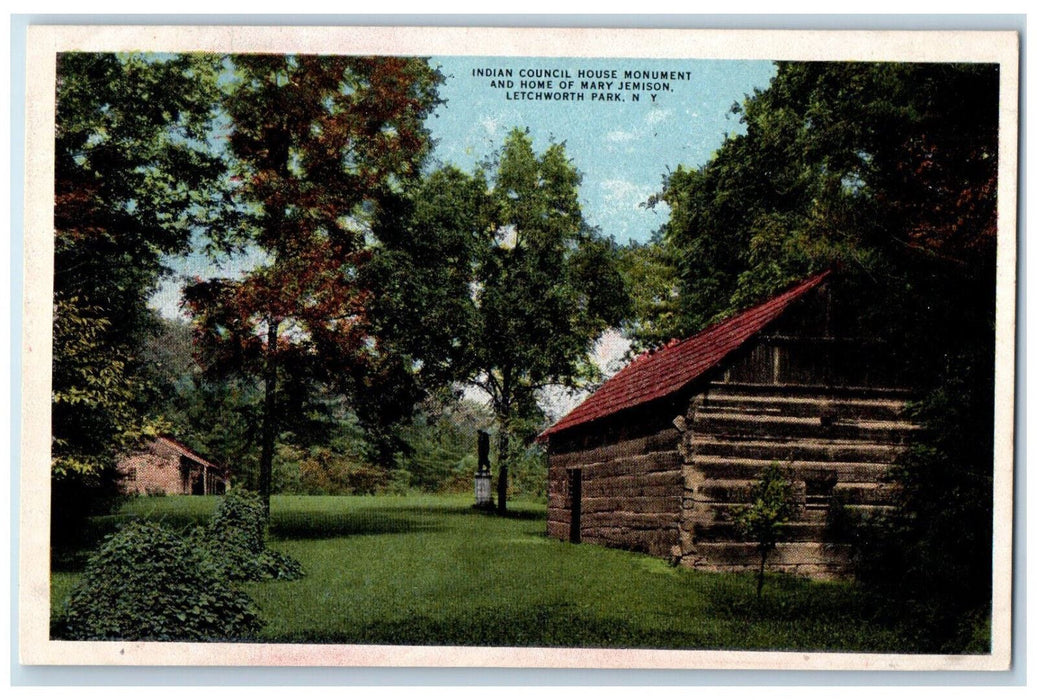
x: 887, y: 173
x: 885, y: 170
x: 134, y: 174
x: 495, y: 279
x: 314, y: 140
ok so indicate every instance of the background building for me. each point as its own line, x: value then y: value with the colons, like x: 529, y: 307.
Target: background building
x: 168, y: 467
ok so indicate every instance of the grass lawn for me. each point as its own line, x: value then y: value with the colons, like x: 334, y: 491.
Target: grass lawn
x: 430, y: 570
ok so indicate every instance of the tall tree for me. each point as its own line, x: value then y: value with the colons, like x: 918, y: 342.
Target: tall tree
x: 549, y: 288
x: 889, y: 172
x: 421, y: 273
x: 499, y: 283
x: 883, y: 168
x: 134, y: 174
x: 314, y: 140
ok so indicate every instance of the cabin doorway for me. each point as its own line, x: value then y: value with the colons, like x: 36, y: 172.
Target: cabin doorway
x: 575, y: 503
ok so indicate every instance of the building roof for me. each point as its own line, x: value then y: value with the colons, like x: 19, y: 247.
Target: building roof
x: 185, y: 451
x: 664, y: 372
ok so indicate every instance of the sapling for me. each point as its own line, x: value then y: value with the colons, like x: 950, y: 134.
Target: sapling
x: 772, y: 503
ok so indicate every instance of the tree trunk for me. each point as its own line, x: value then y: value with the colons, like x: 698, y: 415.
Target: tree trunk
x: 759, y: 574
x: 502, y: 469
x: 503, y: 440
x: 266, y: 459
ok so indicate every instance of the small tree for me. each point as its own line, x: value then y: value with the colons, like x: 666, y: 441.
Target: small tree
x: 771, y: 505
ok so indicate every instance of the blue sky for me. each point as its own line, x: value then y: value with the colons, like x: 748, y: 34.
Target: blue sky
x: 622, y: 148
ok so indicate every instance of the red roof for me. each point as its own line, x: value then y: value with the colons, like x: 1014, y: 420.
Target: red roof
x: 185, y: 450
x: 656, y: 375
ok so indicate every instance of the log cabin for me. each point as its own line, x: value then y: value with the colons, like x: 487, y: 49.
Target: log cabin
x: 661, y: 457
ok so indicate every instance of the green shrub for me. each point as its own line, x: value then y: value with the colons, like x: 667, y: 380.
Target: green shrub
x: 147, y: 583
x: 326, y: 473
x: 236, y: 540
x: 772, y: 504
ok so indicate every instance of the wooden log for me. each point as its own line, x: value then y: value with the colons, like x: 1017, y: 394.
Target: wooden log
x: 732, y: 469
x: 603, y: 453
x: 786, y: 553
x: 557, y: 501
x: 558, y: 530
x: 573, y: 460
x: 864, y: 493
x: 731, y: 532
x: 631, y: 488
x: 796, y: 450
x: 724, y: 491
x: 806, y: 390
x: 641, y: 464
x: 663, y: 440
x: 654, y: 542
x: 630, y: 478
x: 708, y: 512
x: 851, y: 408
x: 736, y: 424
x: 630, y: 519
x: 663, y: 505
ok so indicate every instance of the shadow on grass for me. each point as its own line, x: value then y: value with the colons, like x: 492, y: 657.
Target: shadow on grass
x: 66, y: 560
x: 785, y: 598
x: 381, y: 520
x: 560, y: 625
x: 293, y: 523
x: 842, y: 612
x: 70, y: 552
x: 521, y: 513
x: 915, y: 626
x: 316, y: 525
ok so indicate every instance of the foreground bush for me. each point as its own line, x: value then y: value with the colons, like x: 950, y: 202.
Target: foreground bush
x: 146, y: 583
x: 236, y: 539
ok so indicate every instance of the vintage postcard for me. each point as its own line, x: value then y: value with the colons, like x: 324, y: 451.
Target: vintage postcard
x: 485, y: 347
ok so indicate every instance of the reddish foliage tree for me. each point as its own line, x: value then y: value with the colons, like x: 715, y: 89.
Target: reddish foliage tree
x: 315, y: 141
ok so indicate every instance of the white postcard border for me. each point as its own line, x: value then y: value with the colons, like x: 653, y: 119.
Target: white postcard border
x: 44, y: 42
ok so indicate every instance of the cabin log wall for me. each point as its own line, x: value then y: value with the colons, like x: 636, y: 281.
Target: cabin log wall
x: 835, y: 441
x: 632, y: 486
